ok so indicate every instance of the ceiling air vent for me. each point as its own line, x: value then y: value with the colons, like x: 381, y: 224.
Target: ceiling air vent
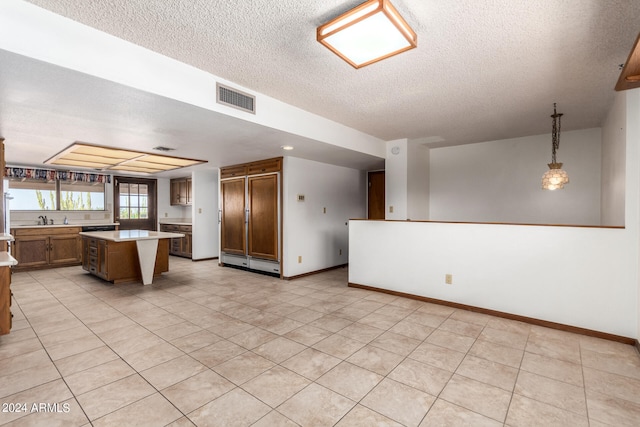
x: 236, y: 99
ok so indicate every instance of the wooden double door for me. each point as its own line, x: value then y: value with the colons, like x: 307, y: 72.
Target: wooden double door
x: 249, y: 217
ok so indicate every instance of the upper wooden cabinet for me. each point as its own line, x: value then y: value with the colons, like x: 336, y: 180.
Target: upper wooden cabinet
x: 181, y: 194
x: 253, y: 168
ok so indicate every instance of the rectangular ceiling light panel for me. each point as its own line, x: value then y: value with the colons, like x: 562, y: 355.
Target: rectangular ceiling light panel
x: 369, y: 33
x: 106, y: 158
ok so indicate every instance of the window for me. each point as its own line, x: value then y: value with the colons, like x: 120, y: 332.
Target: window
x: 33, y: 195
x: 134, y: 201
x: 41, y: 195
x: 81, y: 196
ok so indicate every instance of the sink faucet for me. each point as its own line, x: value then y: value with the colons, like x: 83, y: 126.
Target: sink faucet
x: 44, y: 219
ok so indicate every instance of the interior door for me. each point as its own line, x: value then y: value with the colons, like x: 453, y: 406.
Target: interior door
x: 233, y: 217
x: 376, y: 193
x: 263, y: 216
x: 135, y: 203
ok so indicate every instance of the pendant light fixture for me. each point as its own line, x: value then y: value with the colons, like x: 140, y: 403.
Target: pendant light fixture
x: 368, y: 33
x: 555, y: 177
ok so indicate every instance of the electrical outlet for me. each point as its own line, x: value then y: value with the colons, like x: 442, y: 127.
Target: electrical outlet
x: 299, y: 259
x: 166, y: 214
x: 87, y: 216
x: 448, y: 279
x: 390, y: 209
x: 199, y: 210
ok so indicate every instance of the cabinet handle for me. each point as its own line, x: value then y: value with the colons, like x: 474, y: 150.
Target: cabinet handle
x: 246, y: 219
x: 219, y: 216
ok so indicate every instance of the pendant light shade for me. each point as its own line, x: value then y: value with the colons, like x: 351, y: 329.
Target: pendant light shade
x: 555, y: 178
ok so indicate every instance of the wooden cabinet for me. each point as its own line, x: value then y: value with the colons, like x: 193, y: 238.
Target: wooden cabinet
x: 263, y: 216
x: 250, y: 215
x: 5, y: 300
x: 181, y: 192
x: 45, y: 247
x: 179, y: 246
x: 233, y: 229
x: 118, y: 261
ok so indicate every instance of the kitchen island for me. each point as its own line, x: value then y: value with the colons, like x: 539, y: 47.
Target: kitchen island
x: 126, y: 255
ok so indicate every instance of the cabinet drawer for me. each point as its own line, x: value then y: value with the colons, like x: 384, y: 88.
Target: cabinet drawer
x: 93, y: 251
x: 266, y: 166
x: 184, y: 228
x: 93, y: 261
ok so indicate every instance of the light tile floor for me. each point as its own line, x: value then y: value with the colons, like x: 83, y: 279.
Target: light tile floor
x: 215, y: 346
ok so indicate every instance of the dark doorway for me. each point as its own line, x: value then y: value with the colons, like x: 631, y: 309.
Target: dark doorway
x: 375, y: 198
x: 135, y: 203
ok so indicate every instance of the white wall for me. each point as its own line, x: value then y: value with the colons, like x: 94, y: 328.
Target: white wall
x: 396, y: 178
x: 417, y: 182
x: 569, y: 275
x: 613, y: 163
x: 499, y: 181
x: 309, y: 232
x: 204, y: 212
x: 632, y: 188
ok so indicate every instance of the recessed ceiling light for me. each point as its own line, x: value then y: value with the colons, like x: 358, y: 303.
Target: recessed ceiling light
x: 287, y: 147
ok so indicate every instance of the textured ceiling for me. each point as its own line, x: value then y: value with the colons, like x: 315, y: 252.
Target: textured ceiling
x: 483, y: 70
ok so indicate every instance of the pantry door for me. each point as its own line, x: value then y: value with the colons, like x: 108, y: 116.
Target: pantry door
x: 135, y: 203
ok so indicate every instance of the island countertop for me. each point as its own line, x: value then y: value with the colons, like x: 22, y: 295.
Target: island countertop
x: 129, y: 235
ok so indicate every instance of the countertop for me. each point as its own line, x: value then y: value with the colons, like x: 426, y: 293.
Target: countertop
x: 6, y: 236
x: 65, y: 225
x: 128, y: 235
x: 7, y: 260
x: 176, y: 221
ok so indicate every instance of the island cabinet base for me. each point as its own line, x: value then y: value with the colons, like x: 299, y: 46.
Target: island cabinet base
x: 118, y: 262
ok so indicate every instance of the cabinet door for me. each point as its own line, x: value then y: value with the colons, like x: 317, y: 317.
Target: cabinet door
x: 32, y: 251
x: 188, y: 190
x: 103, y: 259
x: 64, y: 249
x: 186, y: 245
x: 263, y: 216
x: 5, y: 300
x: 233, y: 229
x: 176, y: 195
x: 86, y: 254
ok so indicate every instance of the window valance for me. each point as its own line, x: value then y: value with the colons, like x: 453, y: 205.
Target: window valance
x: 50, y: 175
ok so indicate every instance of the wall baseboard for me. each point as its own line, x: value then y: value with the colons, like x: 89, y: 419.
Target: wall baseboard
x: 311, y: 273
x: 524, y: 319
x: 204, y: 259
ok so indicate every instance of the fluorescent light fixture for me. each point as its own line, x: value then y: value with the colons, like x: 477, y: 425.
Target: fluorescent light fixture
x: 91, y: 156
x: 368, y: 33
x: 286, y: 147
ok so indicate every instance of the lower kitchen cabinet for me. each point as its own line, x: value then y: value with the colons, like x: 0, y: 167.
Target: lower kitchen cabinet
x: 179, y: 246
x: 41, y: 247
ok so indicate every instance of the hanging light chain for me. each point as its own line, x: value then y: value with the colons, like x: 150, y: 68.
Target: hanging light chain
x: 555, y: 136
